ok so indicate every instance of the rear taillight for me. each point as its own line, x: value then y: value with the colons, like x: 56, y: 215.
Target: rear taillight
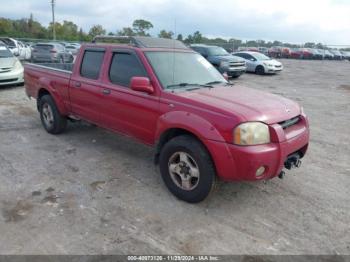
x: 53, y: 51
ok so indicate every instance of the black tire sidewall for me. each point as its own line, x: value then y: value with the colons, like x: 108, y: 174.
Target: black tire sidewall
x: 198, y: 152
x: 59, y: 122
x: 260, y: 70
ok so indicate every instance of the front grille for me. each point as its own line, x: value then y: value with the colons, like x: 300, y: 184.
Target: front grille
x: 5, y: 69
x: 8, y: 80
x: 237, y: 64
x: 290, y: 122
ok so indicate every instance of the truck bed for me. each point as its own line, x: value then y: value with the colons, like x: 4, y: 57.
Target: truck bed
x: 55, y: 66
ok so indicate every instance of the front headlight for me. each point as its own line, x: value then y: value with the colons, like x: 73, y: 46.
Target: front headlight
x: 18, y: 65
x: 268, y: 64
x: 251, y: 133
x: 224, y: 64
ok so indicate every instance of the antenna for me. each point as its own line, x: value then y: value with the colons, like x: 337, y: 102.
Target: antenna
x: 174, y: 51
x: 53, y: 19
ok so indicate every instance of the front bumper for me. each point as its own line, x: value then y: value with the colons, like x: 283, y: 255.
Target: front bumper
x: 240, y: 163
x: 12, y: 77
x: 273, y: 69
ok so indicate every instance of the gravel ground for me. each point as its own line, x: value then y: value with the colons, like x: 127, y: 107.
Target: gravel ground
x: 89, y: 191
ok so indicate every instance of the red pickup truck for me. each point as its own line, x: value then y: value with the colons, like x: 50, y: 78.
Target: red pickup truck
x: 164, y: 94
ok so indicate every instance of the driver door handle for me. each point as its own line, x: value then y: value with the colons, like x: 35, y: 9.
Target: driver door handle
x: 77, y: 84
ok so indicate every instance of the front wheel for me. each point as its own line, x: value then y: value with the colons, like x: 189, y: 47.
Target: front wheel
x: 51, y: 119
x: 260, y: 70
x: 187, y: 169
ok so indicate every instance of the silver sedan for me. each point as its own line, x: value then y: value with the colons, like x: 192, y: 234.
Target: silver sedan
x: 11, y: 69
x: 259, y: 63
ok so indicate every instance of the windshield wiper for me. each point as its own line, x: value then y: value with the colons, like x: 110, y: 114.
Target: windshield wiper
x: 219, y: 82
x: 190, y: 84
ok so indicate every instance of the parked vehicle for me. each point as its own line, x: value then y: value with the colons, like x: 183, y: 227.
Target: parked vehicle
x: 285, y: 52
x: 221, y: 59
x: 11, y: 69
x: 328, y: 54
x: 25, y: 51
x: 275, y: 51
x: 263, y: 50
x: 12, y: 45
x: 306, y: 53
x: 296, y: 53
x: 337, y: 54
x: 168, y: 96
x: 346, y: 55
x: 51, y: 52
x: 73, y: 49
x: 316, y: 54
x: 260, y: 63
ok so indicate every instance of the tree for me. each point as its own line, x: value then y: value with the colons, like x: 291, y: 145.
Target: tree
x: 141, y: 27
x: 96, y: 30
x: 309, y: 45
x: 197, y: 37
x: 126, y: 31
x: 179, y: 37
x: 165, y: 34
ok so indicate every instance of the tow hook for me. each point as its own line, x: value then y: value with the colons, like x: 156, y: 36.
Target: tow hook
x: 292, y: 161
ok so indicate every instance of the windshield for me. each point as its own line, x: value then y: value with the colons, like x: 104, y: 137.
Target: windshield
x: 5, y: 53
x: 217, y: 51
x: 261, y: 57
x: 175, y: 69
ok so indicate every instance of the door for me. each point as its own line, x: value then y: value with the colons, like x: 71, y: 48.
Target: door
x: 124, y: 110
x: 85, y: 91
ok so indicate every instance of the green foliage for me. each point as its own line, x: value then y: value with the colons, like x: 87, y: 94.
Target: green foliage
x: 165, y: 34
x: 141, y: 27
x: 96, y: 30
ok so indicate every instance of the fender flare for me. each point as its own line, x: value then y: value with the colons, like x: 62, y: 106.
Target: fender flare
x: 47, y: 85
x: 190, y: 122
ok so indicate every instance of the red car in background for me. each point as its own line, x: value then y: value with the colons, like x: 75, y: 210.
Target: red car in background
x: 307, y: 53
x: 286, y: 52
x: 296, y: 53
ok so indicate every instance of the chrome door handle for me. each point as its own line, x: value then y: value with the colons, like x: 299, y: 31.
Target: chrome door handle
x: 77, y: 84
x: 106, y: 91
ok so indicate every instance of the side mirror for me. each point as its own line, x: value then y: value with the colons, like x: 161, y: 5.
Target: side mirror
x: 141, y: 84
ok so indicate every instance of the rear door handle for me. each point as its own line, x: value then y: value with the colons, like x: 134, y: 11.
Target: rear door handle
x: 77, y: 84
x: 106, y: 91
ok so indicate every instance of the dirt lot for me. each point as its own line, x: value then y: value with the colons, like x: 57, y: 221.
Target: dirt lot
x: 88, y: 191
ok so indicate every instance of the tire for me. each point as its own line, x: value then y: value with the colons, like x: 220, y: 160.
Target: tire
x: 51, y: 119
x: 187, y: 156
x: 259, y: 70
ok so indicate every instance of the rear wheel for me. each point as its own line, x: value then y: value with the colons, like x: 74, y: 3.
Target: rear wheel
x: 51, y: 119
x: 187, y: 169
x: 260, y: 70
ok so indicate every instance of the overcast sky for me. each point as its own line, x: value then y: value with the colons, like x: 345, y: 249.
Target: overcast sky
x: 295, y: 21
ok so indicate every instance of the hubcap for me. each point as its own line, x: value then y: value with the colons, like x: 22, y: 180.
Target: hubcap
x: 47, y: 115
x: 184, y: 171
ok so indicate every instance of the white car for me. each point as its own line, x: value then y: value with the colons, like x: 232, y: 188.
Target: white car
x: 25, y: 51
x: 11, y: 69
x: 259, y: 63
x: 12, y: 44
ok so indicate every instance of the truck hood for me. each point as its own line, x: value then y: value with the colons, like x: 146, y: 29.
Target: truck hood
x: 248, y: 104
x: 229, y: 58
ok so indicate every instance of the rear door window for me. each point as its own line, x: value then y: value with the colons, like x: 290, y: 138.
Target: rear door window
x: 91, y: 64
x: 124, y: 66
